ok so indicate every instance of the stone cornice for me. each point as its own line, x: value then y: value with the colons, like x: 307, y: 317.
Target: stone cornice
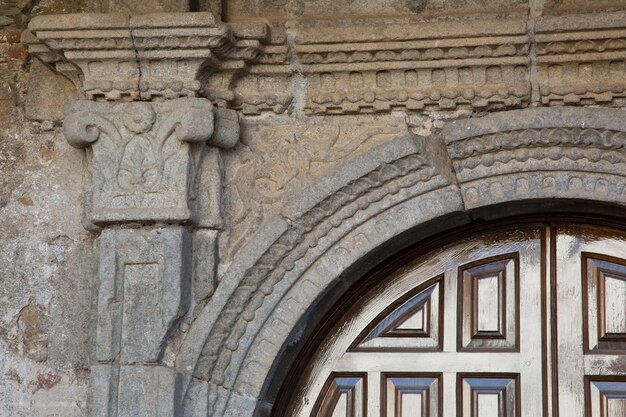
x: 582, y: 59
x: 478, y: 64
x: 403, y: 65
x: 111, y: 56
x: 342, y: 67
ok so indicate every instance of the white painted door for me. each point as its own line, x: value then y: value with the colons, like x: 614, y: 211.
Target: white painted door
x: 523, y: 322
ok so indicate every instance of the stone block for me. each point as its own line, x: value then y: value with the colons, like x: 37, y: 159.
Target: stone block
x: 206, y: 196
x: 135, y: 391
x: 148, y: 6
x: 205, y: 260
x: 103, y: 391
x: 226, y: 127
x: 149, y: 391
x: 47, y: 93
x: 197, y: 394
x: 145, y: 287
x: 329, y: 9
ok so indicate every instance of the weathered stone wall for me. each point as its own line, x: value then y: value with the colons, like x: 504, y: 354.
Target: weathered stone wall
x: 306, y: 110
x: 46, y: 256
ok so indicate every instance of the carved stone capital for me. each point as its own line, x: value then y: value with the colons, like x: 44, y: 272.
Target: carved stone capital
x: 113, y: 56
x: 149, y: 161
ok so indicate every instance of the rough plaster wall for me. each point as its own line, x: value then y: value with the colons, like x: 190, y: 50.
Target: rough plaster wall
x: 47, y: 279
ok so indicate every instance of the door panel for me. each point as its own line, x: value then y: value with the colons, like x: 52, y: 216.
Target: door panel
x: 411, y: 395
x: 489, y: 293
x: 489, y: 396
x: 604, y: 303
x: 517, y: 323
x: 414, y: 325
x: 606, y: 397
x: 343, y: 396
x: 591, y: 300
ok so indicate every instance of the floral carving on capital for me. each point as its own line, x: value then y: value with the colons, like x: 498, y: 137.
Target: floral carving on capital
x: 144, y: 159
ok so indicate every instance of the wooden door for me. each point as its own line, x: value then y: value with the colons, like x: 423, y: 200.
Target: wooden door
x: 590, y: 322
x: 526, y: 322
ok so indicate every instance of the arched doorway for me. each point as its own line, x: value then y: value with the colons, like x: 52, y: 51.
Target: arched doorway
x: 525, y: 319
x: 242, y: 344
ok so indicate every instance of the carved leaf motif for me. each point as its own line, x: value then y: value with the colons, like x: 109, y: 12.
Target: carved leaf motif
x: 139, y: 169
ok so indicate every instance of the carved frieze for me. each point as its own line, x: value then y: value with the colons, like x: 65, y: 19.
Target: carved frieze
x: 383, y: 64
x: 416, y: 66
x: 582, y: 59
x: 274, y: 162
x: 149, y: 161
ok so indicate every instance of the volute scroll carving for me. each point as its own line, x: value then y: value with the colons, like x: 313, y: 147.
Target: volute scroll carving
x: 145, y: 157
x: 82, y: 129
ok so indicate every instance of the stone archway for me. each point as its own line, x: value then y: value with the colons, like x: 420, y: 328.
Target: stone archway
x: 516, y: 156
x: 237, y: 167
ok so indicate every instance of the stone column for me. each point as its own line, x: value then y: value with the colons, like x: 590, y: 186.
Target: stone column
x: 153, y: 185
x: 152, y: 180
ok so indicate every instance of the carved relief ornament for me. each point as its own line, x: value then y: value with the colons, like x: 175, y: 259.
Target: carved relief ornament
x: 149, y: 161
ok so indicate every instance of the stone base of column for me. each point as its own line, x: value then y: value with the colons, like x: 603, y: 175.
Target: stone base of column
x: 135, y: 391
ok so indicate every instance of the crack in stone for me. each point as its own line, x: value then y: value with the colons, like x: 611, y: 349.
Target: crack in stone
x: 299, y: 82
x: 137, y: 60
x: 535, y: 9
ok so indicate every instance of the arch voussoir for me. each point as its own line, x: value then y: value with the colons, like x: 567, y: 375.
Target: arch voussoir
x: 569, y: 153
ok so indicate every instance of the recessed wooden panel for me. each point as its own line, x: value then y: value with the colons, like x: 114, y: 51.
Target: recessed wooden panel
x: 411, y: 395
x: 606, y: 398
x: 488, y: 294
x: 488, y: 396
x: 344, y: 395
x: 413, y: 322
x: 489, y: 304
x: 604, y: 299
